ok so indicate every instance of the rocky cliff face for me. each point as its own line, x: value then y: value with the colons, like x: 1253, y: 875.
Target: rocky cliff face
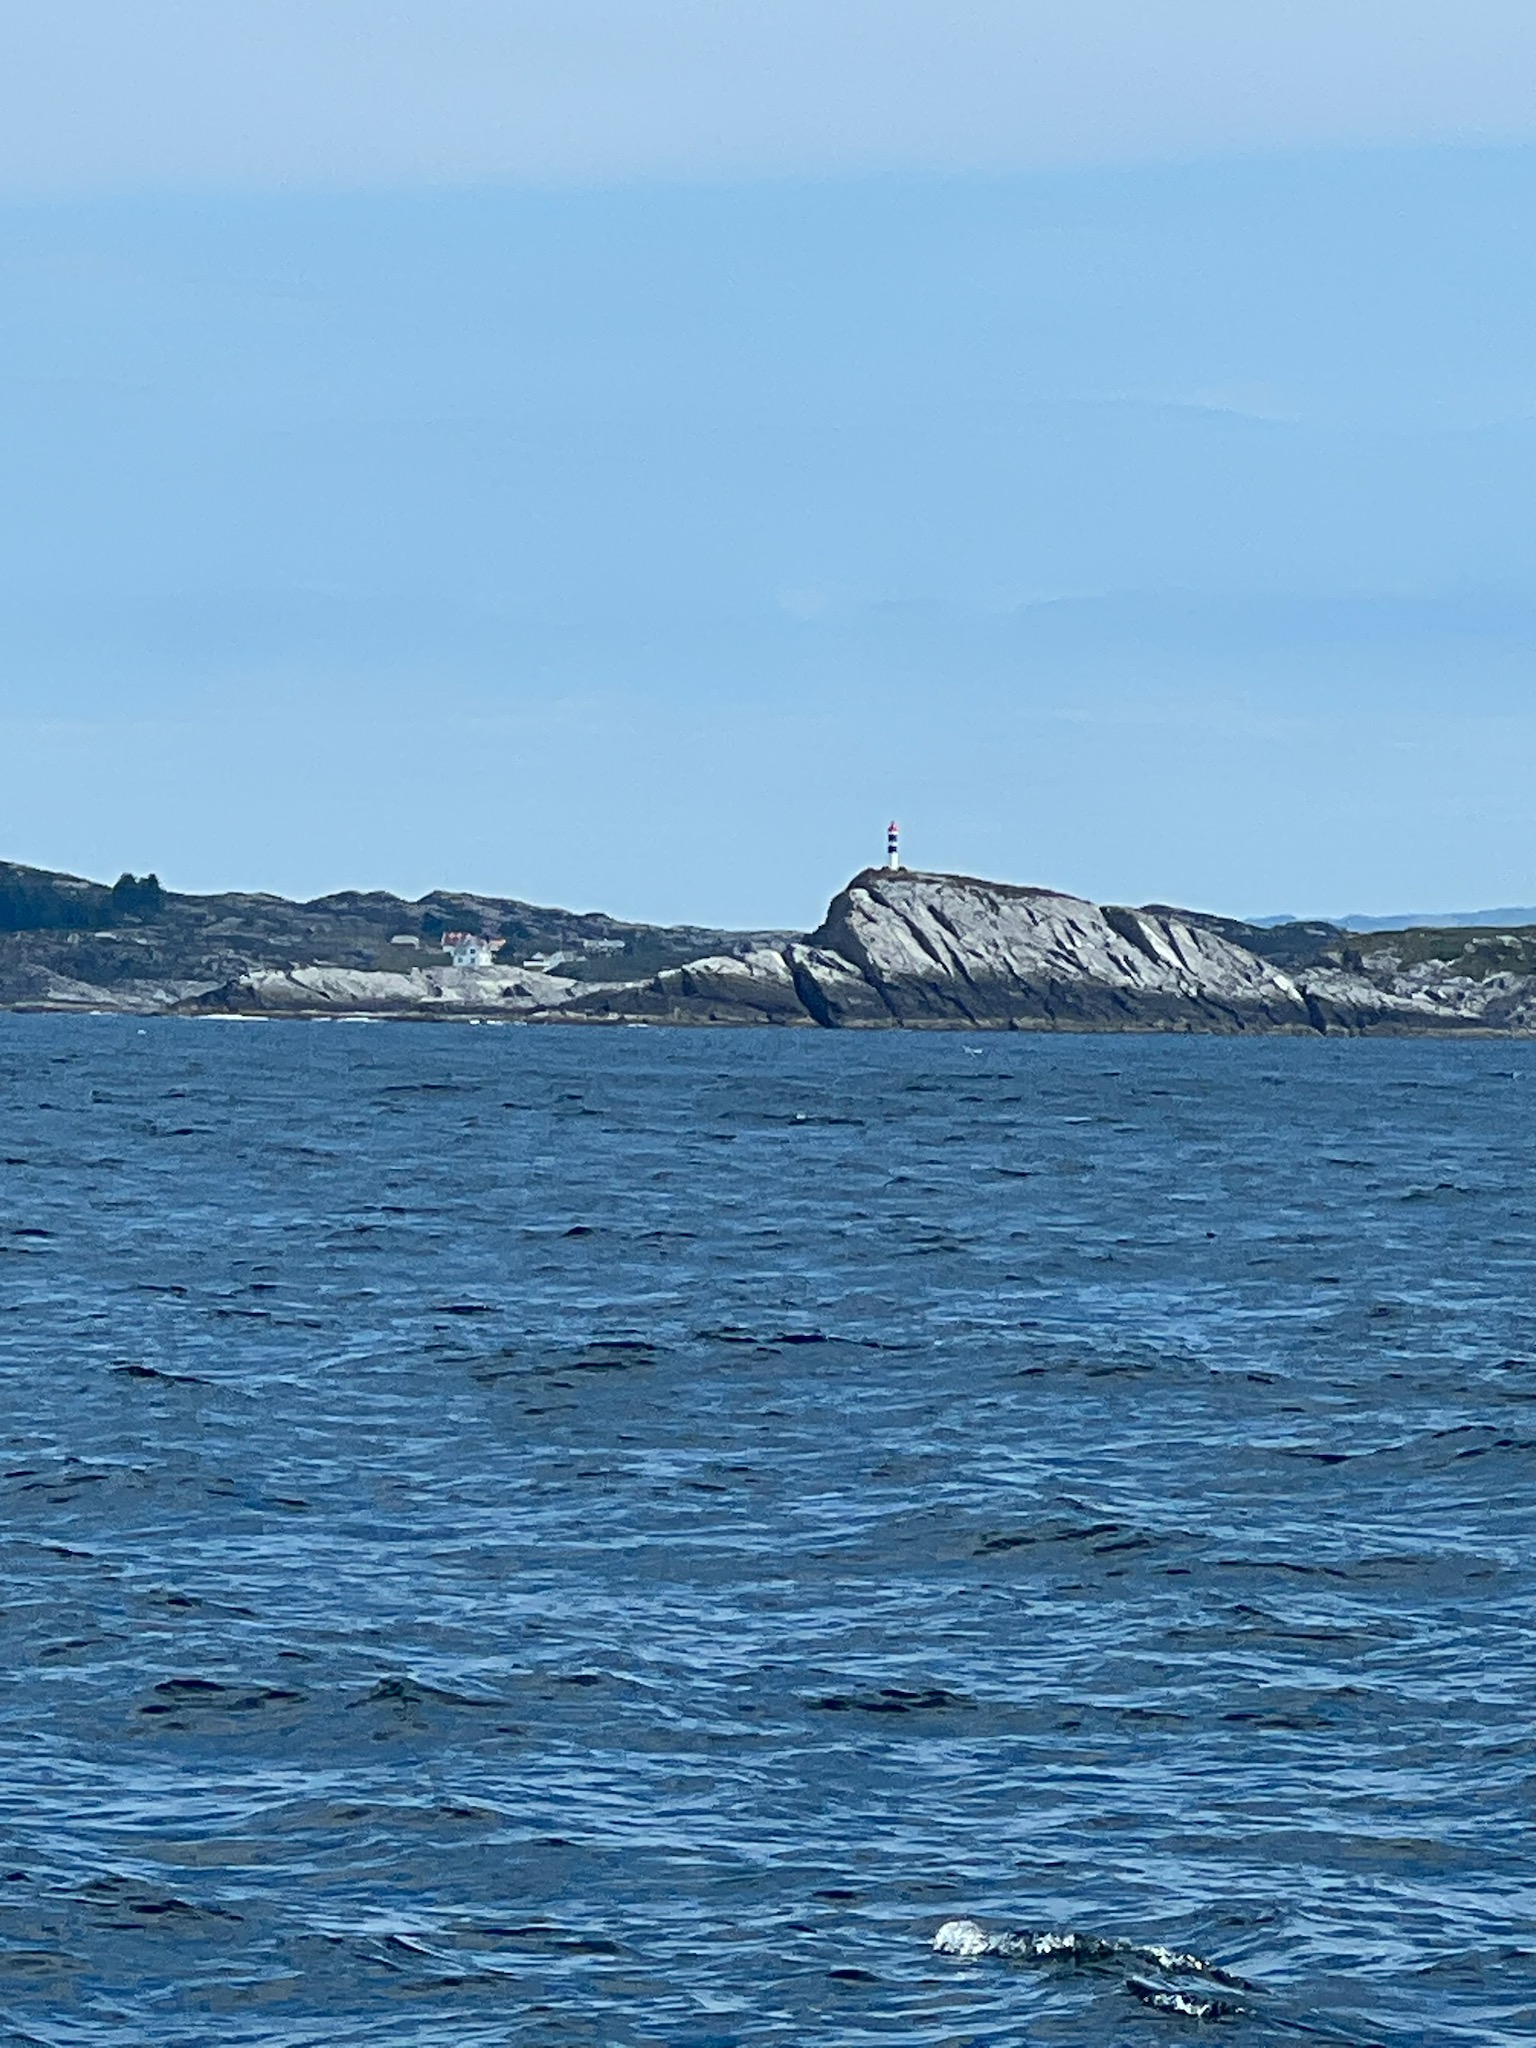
x: 920, y: 951
x: 941, y: 949
x: 947, y: 952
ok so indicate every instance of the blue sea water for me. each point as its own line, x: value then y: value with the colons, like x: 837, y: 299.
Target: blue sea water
x: 612, y: 1536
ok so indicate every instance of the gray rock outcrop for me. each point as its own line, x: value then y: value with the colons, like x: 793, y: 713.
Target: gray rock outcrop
x: 756, y: 987
x: 945, y: 950
x: 936, y: 952
x: 327, y: 991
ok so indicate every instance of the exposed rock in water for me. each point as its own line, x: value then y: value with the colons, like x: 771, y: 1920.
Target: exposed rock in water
x: 312, y: 991
x: 757, y: 987
x: 896, y: 949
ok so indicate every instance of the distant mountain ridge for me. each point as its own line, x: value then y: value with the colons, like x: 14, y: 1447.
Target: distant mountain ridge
x: 1449, y: 920
x: 1413, y: 920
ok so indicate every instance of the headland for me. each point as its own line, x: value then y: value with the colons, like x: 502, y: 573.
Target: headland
x: 898, y: 948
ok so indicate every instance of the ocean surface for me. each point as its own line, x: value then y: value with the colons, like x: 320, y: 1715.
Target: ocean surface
x: 554, y: 1536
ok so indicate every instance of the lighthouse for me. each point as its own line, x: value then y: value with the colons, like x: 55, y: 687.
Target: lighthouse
x: 892, y: 846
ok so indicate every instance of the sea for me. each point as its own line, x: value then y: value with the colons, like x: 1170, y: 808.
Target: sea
x: 616, y: 1536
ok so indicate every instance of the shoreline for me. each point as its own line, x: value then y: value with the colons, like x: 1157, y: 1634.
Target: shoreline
x: 898, y: 949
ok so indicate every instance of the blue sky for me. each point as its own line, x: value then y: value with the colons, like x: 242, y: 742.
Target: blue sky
x: 628, y: 478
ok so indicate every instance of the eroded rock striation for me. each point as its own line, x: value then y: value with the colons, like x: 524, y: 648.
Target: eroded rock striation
x: 942, y: 949
x: 896, y: 949
x: 926, y: 951
x: 320, y: 991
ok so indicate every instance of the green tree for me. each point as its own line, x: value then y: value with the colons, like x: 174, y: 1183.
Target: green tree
x: 137, y: 896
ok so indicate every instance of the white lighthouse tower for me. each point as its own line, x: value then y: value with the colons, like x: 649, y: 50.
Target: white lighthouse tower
x: 892, y: 845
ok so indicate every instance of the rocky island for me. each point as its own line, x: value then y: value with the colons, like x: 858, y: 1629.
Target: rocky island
x: 897, y: 948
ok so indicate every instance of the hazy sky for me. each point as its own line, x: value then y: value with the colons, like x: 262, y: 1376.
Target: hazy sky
x: 620, y: 452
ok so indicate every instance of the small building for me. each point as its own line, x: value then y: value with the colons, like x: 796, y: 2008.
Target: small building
x: 404, y: 939
x: 471, y: 949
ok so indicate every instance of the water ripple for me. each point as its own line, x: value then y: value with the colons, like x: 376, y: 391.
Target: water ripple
x: 618, y: 1536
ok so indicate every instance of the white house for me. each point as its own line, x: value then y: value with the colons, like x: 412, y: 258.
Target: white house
x: 471, y: 949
